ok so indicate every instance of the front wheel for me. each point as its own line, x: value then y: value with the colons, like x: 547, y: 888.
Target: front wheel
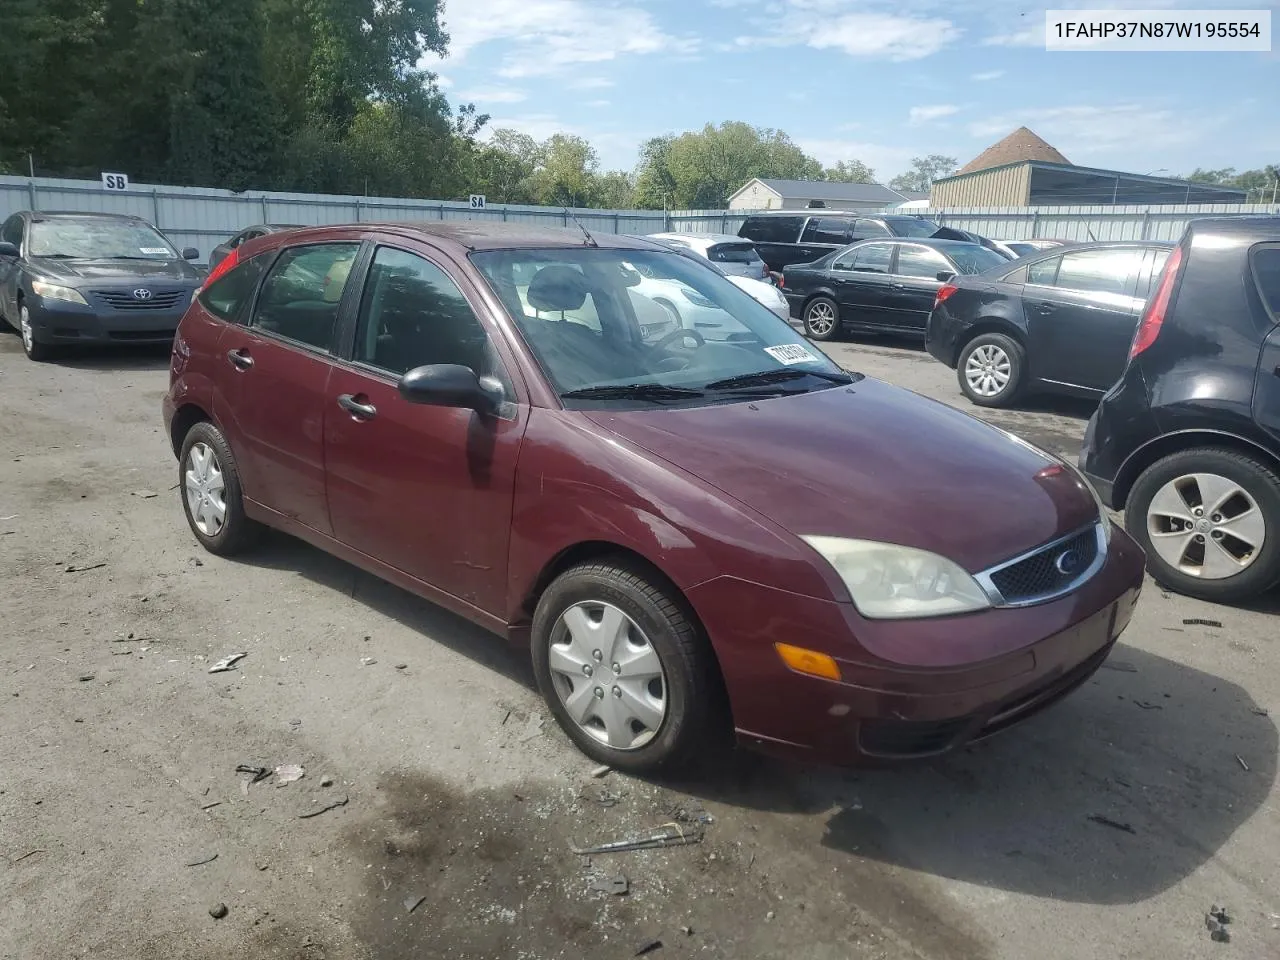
x: 1209, y: 520
x: 33, y: 348
x: 991, y: 370
x: 822, y: 319
x: 624, y: 669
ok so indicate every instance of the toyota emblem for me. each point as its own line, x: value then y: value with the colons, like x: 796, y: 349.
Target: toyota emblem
x: 142, y: 293
x: 1068, y: 563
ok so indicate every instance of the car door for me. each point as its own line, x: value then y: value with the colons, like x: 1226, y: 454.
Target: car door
x: 1266, y: 394
x: 822, y: 235
x: 914, y: 286
x: 425, y: 489
x: 1082, y: 310
x: 861, y: 279
x: 280, y: 364
x: 10, y: 268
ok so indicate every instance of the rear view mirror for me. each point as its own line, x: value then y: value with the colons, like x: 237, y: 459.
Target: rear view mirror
x: 8, y: 249
x: 945, y: 275
x: 451, y: 385
x: 190, y: 253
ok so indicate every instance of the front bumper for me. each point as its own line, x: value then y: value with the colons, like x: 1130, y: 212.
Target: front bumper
x: 957, y: 680
x: 60, y: 322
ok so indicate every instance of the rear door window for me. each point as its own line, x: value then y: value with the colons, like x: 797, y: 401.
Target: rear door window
x: 921, y: 262
x: 1044, y: 272
x: 300, y: 296
x: 873, y: 258
x: 864, y: 229
x: 1266, y: 269
x: 833, y: 230
x: 225, y: 297
x: 1100, y: 271
x: 772, y: 229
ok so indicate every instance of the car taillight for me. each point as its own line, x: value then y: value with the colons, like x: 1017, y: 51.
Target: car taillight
x: 229, y: 261
x: 1157, y: 306
x: 945, y: 293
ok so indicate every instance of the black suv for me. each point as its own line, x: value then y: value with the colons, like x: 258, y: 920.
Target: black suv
x: 788, y: 237
x: 91, y: 278
x: 1187, y: 443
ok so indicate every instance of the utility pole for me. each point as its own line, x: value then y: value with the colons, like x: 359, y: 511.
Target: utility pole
x: 31, y: 165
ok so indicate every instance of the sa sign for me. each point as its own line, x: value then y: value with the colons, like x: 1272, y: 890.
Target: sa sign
x: 477, y: 201
x: 115, y: 181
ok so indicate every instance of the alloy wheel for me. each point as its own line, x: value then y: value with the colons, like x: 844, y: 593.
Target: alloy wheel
x: 205, y: 489
x: 987, y: 370
x: 24, y: 326
x: 1206, y: 526
x: 821, y: 318
x: 608, y: 675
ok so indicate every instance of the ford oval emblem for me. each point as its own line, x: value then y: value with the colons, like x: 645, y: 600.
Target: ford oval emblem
x: 1068, y: 563
x: 142, y: 293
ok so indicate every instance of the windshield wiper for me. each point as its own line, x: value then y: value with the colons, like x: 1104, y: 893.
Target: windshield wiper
x: 55, y: 256
x: 655, y: 392
x: 763, y: 378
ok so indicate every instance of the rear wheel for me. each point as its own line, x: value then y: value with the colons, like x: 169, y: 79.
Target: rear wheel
x: 1209, y: 520
x: 822, y: 319
x: 991, y: 370
x: 624, y: 668
x: 211, y: 496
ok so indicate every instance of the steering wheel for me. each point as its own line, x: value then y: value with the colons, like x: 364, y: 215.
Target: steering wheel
x: 678, y: 334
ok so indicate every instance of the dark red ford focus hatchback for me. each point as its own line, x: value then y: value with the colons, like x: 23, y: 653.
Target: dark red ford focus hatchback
x: 601, y: 449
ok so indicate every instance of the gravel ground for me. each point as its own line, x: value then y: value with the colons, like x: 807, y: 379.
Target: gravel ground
x: 461, y: 799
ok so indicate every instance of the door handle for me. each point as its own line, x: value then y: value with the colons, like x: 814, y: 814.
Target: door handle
x: 362, y: 411
x: 1046, y: 308
x: 240, y: 359
x: 898, y: 286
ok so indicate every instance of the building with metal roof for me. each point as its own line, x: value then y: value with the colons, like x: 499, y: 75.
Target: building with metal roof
x: 759, y: 193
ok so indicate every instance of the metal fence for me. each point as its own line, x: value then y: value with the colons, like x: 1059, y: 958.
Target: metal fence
x: 202, y: 217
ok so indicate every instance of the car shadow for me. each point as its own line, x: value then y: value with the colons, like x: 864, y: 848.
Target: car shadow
x: 1076, y: 408
x: 1111, y: 797
x: 115, y: 358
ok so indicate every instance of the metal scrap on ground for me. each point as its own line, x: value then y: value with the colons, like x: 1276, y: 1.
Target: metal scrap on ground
x: 289, y: 773
x: 227, y: 663
x: 1200, y: 622
x: 325, y: 809
x: 1113, y: 824
x: 670, y: 835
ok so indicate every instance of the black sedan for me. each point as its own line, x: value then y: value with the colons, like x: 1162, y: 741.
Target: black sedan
x: 878, y: 286
x: 91, y: 278
x: 1059, y: 321
x: 221, y: 251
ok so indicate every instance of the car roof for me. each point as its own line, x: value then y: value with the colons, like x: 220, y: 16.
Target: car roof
x: 937, y: 244
x: 824, y: 212
x: 708, y: 238
x: 477, y: 235
x: 1258, y: 225
x: 81, y: 215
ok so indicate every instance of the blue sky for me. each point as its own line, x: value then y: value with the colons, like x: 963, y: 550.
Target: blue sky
x: 858, y: 79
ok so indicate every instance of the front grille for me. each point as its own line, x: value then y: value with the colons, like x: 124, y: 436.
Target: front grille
x: 126, y: 300
x: 1044, y: 574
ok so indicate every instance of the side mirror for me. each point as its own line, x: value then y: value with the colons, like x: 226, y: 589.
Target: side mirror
x: 190, y: 253
x: 451, y: 385
x: 945, y: 275
x: 8, y: 249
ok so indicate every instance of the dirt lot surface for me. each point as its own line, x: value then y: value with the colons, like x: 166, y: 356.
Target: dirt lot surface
x: 118, y: 757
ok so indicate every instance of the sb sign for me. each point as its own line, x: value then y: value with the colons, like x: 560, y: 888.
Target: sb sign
x: 477, y: 201
x: 115, y: 181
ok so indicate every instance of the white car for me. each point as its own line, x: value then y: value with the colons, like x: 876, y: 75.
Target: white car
x: 732, y: 256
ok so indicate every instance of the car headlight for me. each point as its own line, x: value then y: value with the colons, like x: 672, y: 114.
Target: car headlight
x: 52, y: 291
x: 693, y: 296
x: 891, y: 582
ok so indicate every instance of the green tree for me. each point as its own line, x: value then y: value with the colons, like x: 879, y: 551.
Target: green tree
x: 566, y: 176
x: 850, y: 171
x: 924, y: 170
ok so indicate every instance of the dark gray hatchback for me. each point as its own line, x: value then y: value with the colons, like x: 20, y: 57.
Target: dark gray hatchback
x: 91, y: 278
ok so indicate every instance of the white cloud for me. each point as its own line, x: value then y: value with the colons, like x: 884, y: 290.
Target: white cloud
x: 928, y: 114
x: 492, y: 95
x: 888, y: 36
x: 987, y: 75
x: 591, y: 83
x: 1029, y: 36
x: 597, y: 103
x: 545, y: 37
x: 886, y: 161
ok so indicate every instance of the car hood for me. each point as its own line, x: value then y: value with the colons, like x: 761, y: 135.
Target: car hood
x: 874, y: 462
x: 97, y: 271
x: 766, y: 293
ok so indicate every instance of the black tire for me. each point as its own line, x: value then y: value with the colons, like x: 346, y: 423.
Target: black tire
x: 237, y: 532
x: 822, y: 319
x: 33, y: 348
x: 695, y: 711
x: 1258, y: 479
x: 1003, y: 349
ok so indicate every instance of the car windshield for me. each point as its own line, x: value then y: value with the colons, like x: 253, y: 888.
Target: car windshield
x: 733, y: 253
x: 972, y: 258
x: 911, y: 226
x: 648, y: 326
x: 98, y: 240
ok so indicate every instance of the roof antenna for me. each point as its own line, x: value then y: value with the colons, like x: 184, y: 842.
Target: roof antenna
x: 591, y: 241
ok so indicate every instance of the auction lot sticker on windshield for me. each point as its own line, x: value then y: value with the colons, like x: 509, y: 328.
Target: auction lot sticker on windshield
x: 154, y: 251
x: 789, y: 353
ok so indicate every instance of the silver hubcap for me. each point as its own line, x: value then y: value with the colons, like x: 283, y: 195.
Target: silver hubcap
x: 1206, y: 526
x: 205, y: 489
x: 608, y: 675
x: 987, y: 370
x: 24, y: 325
x: 822, y: 317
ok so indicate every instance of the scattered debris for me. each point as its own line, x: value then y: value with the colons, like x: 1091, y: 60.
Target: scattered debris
x: 210, y: 806
x: 670, y: 835
x: 326, y: 781
x: 218, y: 911
x: 1240, y: 760
x: 145, y: 494
x: 289, y: 773
x: 617, y: 885
x: 367, y: 661
x: 1200, y: 622
x: 132, y: 639
x: 1119, y: 665
x: 256, y: 774
x: 506, y: 718
x: 769, y: 916
x: 1215, y: 922
x: 94, y: 566
x: 201, y: 863
x: 325, y: 809
x: 648, y: 947
x: 1147, y: 706
x: 687, y: 931
x: 227, y: 663
x: 86, y: 677
x: 1260, y: 712
x: 29, y: 853
x: 532, y: 729
x: 1113, y: 824
x: 402, y: 666
x: 603, y: 797
x: 601, y: 771
x: 12, y: 516
x: 413, y: 903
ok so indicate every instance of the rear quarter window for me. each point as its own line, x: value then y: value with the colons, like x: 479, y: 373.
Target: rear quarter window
x: 226, y: 297
x: 1266, y: 271
x: 772, y: 229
